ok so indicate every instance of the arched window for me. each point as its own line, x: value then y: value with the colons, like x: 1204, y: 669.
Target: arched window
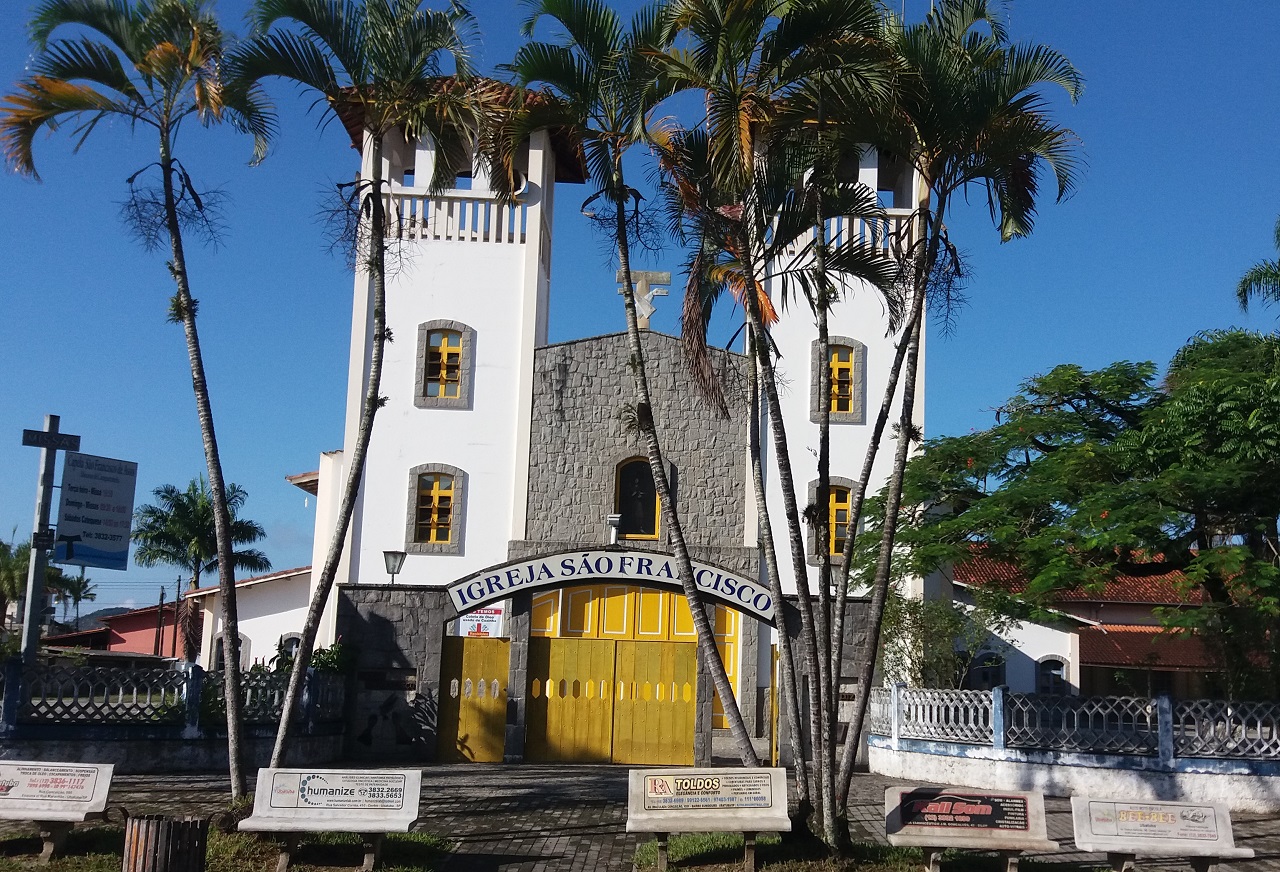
x: 434, y: 522
x: 446, y: 365
x: 986, y: 671
x: 1051, y: 676
x: 837, y: 519
x: 636, y: 500
x: 437, y: 509
x: 846, y: 362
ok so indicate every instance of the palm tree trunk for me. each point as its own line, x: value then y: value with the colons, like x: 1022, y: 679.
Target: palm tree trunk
x: 355, y: 464
x: 908, y: 358
x: 653, y: 448
x: 786, y: 652
x: 190, y: 643
x: 184, y: 310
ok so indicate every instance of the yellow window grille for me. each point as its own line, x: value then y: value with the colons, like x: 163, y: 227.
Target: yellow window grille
x: 841, y: 378
x: 434, y: 521
x: 838, y: 519
x: 444, y: 364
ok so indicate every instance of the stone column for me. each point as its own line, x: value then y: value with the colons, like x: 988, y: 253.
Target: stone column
x: 518, y: 624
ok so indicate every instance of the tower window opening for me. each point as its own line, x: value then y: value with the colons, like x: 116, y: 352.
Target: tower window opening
x: 637, y: 500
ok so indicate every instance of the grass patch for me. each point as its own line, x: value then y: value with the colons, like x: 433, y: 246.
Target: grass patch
x: 101, y: 849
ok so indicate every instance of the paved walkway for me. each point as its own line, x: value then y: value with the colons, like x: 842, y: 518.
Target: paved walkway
x: 572, y: 818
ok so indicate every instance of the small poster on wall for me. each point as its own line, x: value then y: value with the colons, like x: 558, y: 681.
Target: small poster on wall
x: 485, y: 623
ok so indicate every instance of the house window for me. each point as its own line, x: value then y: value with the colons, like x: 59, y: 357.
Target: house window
x: 986, y: 671
x: 1051, y: 677
x: 446, y: 365
x: 636, y: 500
x: 838, y: 519
x: 436, y: 509
x: 846, y: 363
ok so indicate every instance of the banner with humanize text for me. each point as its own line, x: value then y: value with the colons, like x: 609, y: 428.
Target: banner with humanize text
x: 95, y: 511
x: 354, y: 790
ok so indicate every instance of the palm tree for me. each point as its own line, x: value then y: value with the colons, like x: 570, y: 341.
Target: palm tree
x: 1262, y: 279
x: 14, y: 558
x: 73, y: 590
x: 605, y: 88
x: 179, y: 530
x: 754, y: 62
x: 969, y: 111
x: 378, y: 66
x: 153, y: 64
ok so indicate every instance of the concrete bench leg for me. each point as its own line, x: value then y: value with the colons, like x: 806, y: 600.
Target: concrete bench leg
x: 286, y: 852
x: 372, y: 843
x: 1120, y: 862
x: 748, y: 852
x: 662, y: 852
x: 1203, y: 864
x: 1011, y: 859
x: 54, y: 834
x: 933, y: 859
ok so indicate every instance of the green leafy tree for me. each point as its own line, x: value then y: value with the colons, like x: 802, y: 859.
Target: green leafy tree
x: 1262, y: 279
x: 179, y: 530
x: 377, y: 65
x: 1090, y: 474
x: 152, y: 64
x: 969, y: 111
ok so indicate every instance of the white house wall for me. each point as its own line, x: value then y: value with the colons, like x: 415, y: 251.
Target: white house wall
x: 266, y: 612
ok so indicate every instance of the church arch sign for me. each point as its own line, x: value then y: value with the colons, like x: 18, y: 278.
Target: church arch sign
x: 641, y: 568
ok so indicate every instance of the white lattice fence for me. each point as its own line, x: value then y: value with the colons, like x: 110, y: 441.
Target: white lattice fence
x: 1119, y: 724
x: 880, y: 711
x: 947, y: 715
x: 1215, y: 728
x: 93, y: 694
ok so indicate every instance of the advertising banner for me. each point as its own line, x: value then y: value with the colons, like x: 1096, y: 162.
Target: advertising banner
x: 21, y: 782
x: 482, y: 622
x: 338, y: 790
x: 95, y: 511
x: 720, y: 790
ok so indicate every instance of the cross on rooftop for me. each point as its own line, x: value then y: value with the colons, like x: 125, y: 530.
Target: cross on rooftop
x: 648, y: 284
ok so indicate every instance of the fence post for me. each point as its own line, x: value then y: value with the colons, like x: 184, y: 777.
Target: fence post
x: 895, y: 715
x: 1164, y: 729
x: 194, y: 693
x: 997, y: 717
x: 12, y: 695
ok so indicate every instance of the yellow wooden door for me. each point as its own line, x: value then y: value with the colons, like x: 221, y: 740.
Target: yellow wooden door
x: 473, y: 699
x: 653, y: 713
x: 570, y: 708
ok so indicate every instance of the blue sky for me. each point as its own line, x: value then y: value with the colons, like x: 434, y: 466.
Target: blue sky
x: 1179, y: 196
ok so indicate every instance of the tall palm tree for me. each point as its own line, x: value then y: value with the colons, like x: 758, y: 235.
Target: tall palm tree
x: 753, y: 60
x: 969, y: 112
x: 14, y: 557
x: 606, y: 88
x: 1262, y: 279
x: 153, y: 64
x: 73, y: 590
x: 179, y: 530
x: 378, y: 65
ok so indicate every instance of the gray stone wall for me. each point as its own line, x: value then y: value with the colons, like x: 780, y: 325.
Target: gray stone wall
x: 582, y: 393
x: 397, y: 631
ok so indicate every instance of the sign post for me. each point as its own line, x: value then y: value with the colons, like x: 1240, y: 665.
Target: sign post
x: 50, y: 442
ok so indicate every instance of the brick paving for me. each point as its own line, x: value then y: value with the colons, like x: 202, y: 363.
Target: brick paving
x: 572, y: 818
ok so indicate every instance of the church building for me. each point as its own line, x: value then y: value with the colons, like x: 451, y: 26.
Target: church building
x: 508, y: 586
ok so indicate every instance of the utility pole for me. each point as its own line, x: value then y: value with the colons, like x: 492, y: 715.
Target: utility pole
x: 158, y: 648
x: 49, y: 441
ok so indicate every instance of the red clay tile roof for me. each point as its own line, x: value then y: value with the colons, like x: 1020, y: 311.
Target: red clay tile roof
x: 1169, y: 588
x: 271, y: 576
x: 1127, y: 646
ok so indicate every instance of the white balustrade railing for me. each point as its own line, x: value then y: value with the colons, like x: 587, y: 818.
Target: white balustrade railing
x: 102, y: 695
x: 888, y: 234
x: 454, y: 217
x: 1139, y: 726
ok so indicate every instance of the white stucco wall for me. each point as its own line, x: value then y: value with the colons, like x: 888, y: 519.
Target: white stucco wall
x: 267, y: 610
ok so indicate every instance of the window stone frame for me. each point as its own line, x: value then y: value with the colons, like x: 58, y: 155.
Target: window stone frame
x: 466, y: 380
x: 813, y: 556
x: 859, y: 413
x: 457, y: 523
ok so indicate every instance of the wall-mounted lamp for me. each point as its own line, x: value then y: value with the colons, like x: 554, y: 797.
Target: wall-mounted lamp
x: 394, y: 560
x: 614, y: 522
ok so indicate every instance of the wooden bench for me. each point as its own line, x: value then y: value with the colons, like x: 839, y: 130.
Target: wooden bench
x: 937, y: 819
x: 290, y: 802
x: 55, y: 796
x: 747, y: 801
x: 1127, y: 829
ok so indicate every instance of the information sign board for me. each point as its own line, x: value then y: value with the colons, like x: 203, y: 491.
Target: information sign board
x: 486, y: 622
x: 948, y: 817
x: 95, y: 511
x: 707, y: 800
x: 1153, y: 828
x: 320, y: 790
x: 48, y: 782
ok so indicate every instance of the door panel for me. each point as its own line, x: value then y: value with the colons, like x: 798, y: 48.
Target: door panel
x: 653, y: 712
x: 473, y: 699
x: 570, y: 709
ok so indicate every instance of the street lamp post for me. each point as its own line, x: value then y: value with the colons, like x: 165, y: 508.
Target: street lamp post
x: 394, y: 560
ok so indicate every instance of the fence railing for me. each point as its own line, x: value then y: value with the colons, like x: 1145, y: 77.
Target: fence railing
x: 889, y: 234
x: 184, y: 696
x: 454, y: 217
x: 1154, y: 727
